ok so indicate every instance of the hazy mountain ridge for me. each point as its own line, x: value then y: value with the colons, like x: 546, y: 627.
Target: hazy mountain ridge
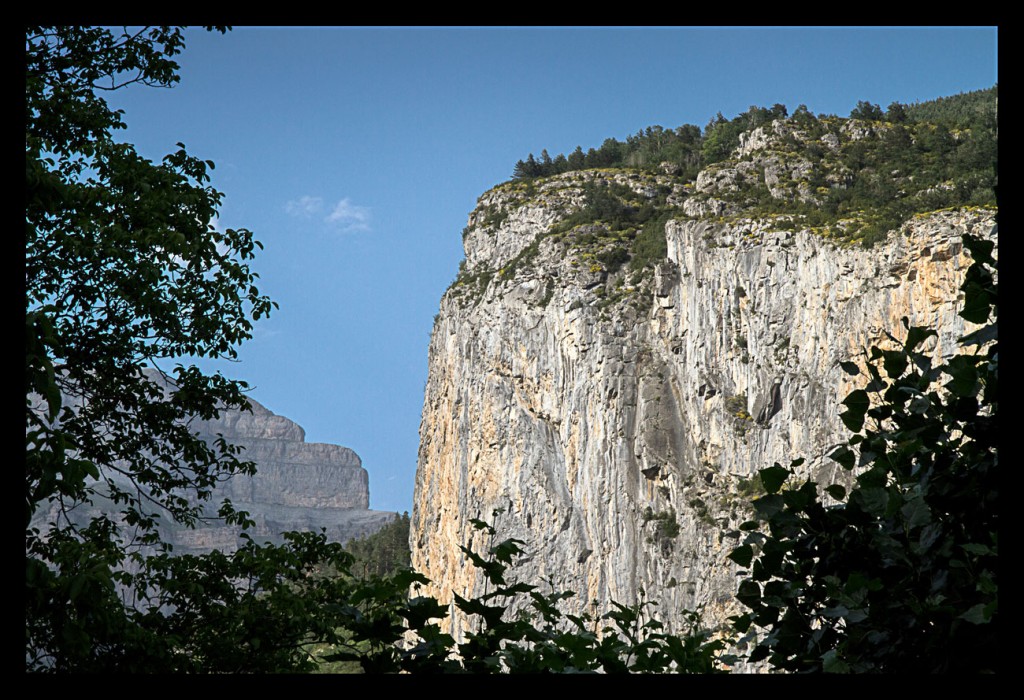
x: 297, y: 486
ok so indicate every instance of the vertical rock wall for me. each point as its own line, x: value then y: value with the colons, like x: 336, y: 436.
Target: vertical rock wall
x: 298, y: 485
x: 617, y: 439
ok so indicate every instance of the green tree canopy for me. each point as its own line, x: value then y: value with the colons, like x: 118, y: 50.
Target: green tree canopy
x: 126, y: 278
x: 866, y: 110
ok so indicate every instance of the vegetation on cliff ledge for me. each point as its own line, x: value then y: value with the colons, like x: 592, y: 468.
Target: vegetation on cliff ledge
x: 857, y: 177
x: 851, y: 180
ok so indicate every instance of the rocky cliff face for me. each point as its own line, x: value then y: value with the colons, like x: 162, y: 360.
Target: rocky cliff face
x: 298, y: 486
x: 613, y: 420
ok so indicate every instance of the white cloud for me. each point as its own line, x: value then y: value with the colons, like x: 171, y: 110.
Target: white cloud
x: 304, y: 206
x: 261, y: 332
x: 350, y: 217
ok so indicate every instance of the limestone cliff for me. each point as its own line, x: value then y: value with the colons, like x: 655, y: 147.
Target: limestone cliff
x: 297, y: 486
x: 612, y: 419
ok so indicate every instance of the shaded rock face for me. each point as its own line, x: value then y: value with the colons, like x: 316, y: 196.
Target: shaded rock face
x: 297, y: 486
x: 618, y: 441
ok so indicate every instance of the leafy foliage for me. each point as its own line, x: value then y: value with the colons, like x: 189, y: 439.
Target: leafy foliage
x: 684, y: 148
x: 642, y: 227
x: 864, y: 177
x: 901, y: 575
x: 124, y: 275
x: 615, y: 225
x: 255, y: 610
x: 611, y: 204
x: 968, y: 110
x: 722, y: 136
x: 391, y: 632
x: 866, y: 110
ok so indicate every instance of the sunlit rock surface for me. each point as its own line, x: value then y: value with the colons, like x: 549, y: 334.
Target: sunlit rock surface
x: 584, y: 423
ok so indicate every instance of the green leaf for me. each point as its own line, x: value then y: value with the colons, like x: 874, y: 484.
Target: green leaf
x: 742, y: 555
x: 866, y: 458
x: 857, y: 399
x: 857, y: 404
x: 741, y: 623
x: 917, y: 335
x: 831, y: 663
x: 767, y: 506
x: 873, y: 499
x: 919, y: 405
x: 850, y: 368
x: 929, y: 535
x: 895, y: 363
x: 980, y: 249
x: 964, y: 375
x: 986, y: 582
x: 836, y: 491
x: 760, y: 653
x: 512, y: 590
x: 776, y: 593
x: 749, y: 594
x: 798, y: 500
x: 916, y: 512
x: 77, y: 584
x: 773, y: 477
x: 481, y: 525
x: 506, y: 550
x: 835, y: 611
x: 982, y: 336
x: 855, y: 616
x: 977, y: 303
x: 977, y: 548
x: 844, y: 456
x: 421, y: 609
x: 978, y: 614
x: 490, y: 613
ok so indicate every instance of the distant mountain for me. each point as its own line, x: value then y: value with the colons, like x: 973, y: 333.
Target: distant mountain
x: 297, y: 486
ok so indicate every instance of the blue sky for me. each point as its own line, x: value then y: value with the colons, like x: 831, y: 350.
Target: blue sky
x: 356, y: 154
